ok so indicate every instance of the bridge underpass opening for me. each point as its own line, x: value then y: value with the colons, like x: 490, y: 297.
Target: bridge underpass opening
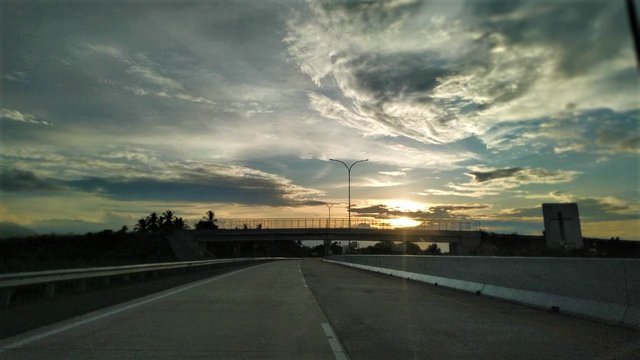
x: 269, y: 235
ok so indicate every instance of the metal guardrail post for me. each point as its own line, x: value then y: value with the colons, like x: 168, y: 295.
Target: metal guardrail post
x: 81, y: 285
x: 49, y: 290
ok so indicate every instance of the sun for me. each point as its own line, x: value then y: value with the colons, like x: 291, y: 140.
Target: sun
x: 403, y: 222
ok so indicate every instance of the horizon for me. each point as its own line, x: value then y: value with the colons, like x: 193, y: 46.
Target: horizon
x: 465, y: 110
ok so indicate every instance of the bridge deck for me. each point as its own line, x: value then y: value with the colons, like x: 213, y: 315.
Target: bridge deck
x: 402, y: 234
x: 343, y: 223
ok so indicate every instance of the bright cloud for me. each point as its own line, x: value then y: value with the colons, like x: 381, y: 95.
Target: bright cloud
x: 440, y: 72
x: 16, y: 115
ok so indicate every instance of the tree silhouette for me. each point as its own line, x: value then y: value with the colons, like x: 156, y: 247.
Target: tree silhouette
x: 167, y: 219
x: 433, y: 249
x: 153, y: 222
x: 179, y: 224
x: 383, y: 247
x: 208, y: 222
x: 142, y: 225
x: 411, y: 248
x: 335, y: 248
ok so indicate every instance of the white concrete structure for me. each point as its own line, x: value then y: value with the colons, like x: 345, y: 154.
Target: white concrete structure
x: 604, y: 289
x: 562, y: 225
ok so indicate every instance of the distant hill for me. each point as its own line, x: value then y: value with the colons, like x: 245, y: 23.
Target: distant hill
x: 12, y: 230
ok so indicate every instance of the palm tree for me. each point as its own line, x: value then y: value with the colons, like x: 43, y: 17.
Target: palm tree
x: 168, y: 219
x: 142, y: 225
x: 179, y: 224
x: 153, y: 221
x: 210, y: 216
x: 208, y: 221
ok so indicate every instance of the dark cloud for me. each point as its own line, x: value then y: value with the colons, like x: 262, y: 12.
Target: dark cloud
x: 482, y: 176
x: 385, y: 76
x: 12, y: 180
x: 433, y: 213
x: 583, y: 33
x: 220, y: 189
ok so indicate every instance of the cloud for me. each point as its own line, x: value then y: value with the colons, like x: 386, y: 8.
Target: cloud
x: 441, y: 72
x: 16, y: 115
x: 13, y: 180
x: 392, y: 173
x: 612, y: 132
x: 204, y: 183
x: 138, y: 175
x: 437, y: 212
x: 607, y: 208
x: 487, y: 175
x: 492, y: 181
x: 136, y: 64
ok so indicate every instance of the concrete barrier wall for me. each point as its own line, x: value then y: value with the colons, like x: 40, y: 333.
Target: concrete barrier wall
x: 606, y: 289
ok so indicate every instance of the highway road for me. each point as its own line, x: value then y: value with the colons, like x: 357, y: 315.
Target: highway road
x: 313, y: 310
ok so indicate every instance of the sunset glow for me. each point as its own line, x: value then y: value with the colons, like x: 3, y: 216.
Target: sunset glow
x: 465, y: 110
x: 403, y: 222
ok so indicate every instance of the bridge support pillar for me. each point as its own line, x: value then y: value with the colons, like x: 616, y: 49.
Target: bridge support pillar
x: 327, y: 247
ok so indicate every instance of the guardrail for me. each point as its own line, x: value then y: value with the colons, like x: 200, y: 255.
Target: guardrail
x: 51, y: 279
x: 343, y: 223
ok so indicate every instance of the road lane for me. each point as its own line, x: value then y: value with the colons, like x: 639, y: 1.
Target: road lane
x: 260, y: 312
x: 383, y: 317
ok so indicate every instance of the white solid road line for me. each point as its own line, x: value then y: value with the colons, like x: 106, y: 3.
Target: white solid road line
x: 113, y: 310
x: 338, y: 352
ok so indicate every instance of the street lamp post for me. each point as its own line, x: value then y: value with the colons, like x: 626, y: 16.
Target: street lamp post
x: 329, y: 205
x: 349, y: 176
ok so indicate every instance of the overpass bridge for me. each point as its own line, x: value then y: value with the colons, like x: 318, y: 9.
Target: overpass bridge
x: 462, y: 235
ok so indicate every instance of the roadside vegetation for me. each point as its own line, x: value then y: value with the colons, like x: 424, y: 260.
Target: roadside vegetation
x: 493, y: 244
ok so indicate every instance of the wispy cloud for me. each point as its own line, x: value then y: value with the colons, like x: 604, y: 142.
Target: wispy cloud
x: 137, y: 64
x: 440, y: 72
x: 15, y: 115
x: 611, y: 131
x: 487, y: 181
x: 392, y: 173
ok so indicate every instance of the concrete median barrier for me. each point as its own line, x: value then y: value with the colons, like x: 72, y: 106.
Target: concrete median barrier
x: 604, y: 289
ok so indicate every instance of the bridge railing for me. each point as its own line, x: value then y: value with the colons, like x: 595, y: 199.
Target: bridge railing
x: 343, y: 223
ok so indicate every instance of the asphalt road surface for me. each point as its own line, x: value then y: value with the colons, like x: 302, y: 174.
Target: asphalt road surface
x: 314, y: 310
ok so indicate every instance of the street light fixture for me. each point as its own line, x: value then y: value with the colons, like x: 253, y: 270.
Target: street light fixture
x: 329, y: 205
x: 349, y: 175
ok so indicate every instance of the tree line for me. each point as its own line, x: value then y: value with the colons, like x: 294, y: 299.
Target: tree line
x: 169, y: 222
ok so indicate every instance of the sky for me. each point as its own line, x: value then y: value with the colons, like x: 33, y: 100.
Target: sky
x: 477, y: 110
